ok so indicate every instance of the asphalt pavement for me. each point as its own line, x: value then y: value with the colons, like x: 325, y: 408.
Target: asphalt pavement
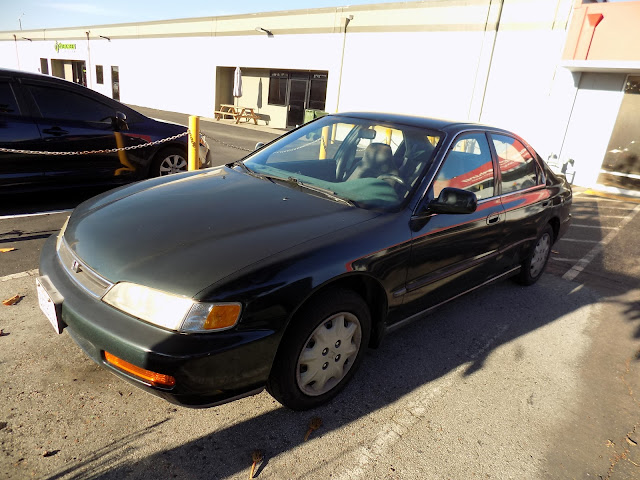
x: 506, y: 382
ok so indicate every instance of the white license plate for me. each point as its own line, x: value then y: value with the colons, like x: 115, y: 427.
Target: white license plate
x: 48, y: 307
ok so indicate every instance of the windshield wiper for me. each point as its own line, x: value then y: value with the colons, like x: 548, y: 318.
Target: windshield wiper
x: 251, y: 172
x: 325, y: 191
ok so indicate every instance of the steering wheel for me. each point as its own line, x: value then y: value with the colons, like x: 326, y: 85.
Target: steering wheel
x: 395, y: 178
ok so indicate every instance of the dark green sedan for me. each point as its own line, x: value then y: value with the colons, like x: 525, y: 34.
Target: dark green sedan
x: 279, y: 270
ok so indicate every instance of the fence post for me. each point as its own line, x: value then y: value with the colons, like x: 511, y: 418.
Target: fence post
x: 194, y: 142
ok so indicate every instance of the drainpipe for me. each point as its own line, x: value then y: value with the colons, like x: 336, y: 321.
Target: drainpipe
x: 344, y: 41
x: 88, y: 61
x: 15, y: 39
x: 493, y: 48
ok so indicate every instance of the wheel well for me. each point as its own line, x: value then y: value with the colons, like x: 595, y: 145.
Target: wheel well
x: 372, y: 293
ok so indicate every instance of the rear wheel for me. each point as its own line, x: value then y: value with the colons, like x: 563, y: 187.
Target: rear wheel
x: 169, y: 160
x: 321, y: 350
x: 534, y: 265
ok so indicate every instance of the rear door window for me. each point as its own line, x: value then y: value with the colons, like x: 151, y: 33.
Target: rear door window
x: 518, y: 167
x: 8, y: 103
x: 61, y: 104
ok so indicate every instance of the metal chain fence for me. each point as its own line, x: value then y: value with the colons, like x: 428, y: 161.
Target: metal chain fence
x: 230, y: 146
x: 94, y: 152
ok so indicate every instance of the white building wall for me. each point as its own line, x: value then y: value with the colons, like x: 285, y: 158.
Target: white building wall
x: 527, y: 92
x: 592, y: 120
x: 419, y: 73
x: 431, y: 58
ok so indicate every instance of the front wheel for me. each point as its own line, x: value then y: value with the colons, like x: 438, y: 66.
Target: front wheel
x: 533, y: 266
x: 321, y: 350
x: 168, y: 161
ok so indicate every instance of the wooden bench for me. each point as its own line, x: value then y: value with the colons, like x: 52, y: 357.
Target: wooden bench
x: 237, y: 113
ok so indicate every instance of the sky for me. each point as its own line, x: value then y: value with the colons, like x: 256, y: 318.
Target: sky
x: 39, y: 14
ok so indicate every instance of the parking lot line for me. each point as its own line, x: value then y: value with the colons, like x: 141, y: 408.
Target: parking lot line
x: 607, y: 207
x: 612, y: 216
x: 593, y: 226
x: 23, y: 215
x: 28, y: 273
x: 578, y: 240
x: 581, y: 264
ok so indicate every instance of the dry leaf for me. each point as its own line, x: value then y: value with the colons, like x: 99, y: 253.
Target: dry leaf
x: 5, y: 250
x: 12, y: 301
x: 256, y: 456
x: 630, y: 442
x: 314, y: 424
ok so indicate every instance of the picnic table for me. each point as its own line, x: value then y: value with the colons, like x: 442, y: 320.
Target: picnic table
x: 236, y: 112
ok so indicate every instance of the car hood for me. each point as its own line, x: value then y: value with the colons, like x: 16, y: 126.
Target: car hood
x: 183, y: 235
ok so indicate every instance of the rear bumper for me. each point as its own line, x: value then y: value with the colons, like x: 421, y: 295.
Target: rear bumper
x: 209, y: 368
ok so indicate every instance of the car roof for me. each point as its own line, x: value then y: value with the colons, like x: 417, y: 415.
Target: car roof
x: 22, y: 73
x: 445, y: 125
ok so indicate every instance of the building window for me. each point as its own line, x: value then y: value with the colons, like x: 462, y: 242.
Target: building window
x: 318, y: 91
x: 44, y: 66
x: 115, y: 83
x: 278, y: 88
x: 99, y: 75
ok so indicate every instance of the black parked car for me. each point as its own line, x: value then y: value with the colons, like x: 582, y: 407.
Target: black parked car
x: 288, y: 264
x: 48, y: 114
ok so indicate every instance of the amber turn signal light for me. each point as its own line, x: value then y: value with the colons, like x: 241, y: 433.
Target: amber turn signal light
x: 222, y: 316
x: 155, y: 379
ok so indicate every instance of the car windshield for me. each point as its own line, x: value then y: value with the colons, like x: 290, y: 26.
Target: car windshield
x: 368, y: 164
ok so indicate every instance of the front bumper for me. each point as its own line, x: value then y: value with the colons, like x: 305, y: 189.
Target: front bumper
x: 209, y: 368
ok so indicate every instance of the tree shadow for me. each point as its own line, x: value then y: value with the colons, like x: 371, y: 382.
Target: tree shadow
x: 457, y: 338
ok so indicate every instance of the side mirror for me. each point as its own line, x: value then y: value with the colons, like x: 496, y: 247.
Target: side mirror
x: 258, y: 146
x: 119, y: 122
x: 453, y: 200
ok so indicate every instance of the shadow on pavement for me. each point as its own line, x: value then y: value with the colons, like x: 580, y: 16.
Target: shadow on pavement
x: 456, y: 339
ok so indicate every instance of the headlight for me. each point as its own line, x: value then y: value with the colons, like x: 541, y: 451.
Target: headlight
x: 170, y: 311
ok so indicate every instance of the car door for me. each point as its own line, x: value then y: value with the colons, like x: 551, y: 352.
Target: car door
x: 73, y: 121
x: 18, y: 131
x: 452, y: 253
x: 525, y: 197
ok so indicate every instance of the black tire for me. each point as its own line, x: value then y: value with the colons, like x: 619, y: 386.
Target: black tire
x: 339, y: 356
x: 533, y: 267
x: 169, y: 160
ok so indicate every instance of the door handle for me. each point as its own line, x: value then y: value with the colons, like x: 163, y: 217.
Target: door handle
x: 55, y: 131
x: 493, y: 218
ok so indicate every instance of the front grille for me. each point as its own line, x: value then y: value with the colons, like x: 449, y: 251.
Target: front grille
x: 81, y: 273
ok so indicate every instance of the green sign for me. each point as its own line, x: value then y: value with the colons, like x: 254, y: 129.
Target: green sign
x: 64, y: 46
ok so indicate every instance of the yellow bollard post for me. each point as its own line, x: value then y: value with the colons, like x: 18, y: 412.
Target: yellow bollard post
x: 122, y: 156
x: 324, y: 142
x: 387, y: 139
x: 194, y: 141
